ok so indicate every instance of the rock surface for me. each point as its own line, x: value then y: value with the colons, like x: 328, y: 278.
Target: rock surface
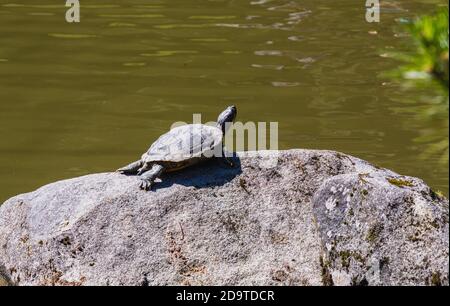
x: 317, y: 218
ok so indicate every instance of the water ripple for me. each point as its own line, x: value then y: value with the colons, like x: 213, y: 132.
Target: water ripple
x: 69, y: 36
x: 169, y: 53
x: 285, y: 84
x: 272, y: 67
x: 132, y: 15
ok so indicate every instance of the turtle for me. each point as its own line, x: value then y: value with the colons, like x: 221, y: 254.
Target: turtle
x: 181, y: 147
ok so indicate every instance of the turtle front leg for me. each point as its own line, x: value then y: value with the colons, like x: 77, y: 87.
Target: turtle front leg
x: 131, y: 168
x: 227, y: 160
x: 149, y: 177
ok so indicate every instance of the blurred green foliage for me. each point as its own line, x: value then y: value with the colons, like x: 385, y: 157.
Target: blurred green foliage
x: 429, y: 62
x: 427, y: 66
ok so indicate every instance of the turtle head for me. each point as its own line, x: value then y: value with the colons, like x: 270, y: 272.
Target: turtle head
x: 228, y: 115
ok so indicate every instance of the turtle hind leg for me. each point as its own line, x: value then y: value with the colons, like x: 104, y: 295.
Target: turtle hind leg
x: 149, y: 177
x: 131, y: 168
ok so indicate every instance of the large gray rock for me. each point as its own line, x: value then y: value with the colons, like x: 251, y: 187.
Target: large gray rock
x: 318, y: 217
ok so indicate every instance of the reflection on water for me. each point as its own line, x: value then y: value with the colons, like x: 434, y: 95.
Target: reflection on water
x: 89, y: 97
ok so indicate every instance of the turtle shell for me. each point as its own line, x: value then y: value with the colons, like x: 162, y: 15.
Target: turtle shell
x: 184, y: 143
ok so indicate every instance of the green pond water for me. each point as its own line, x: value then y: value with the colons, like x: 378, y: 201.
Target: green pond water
x: 91, y: 96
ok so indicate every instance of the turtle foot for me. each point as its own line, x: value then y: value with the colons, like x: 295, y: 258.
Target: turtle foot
x: 145, y: 185
x: 125, y: 171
